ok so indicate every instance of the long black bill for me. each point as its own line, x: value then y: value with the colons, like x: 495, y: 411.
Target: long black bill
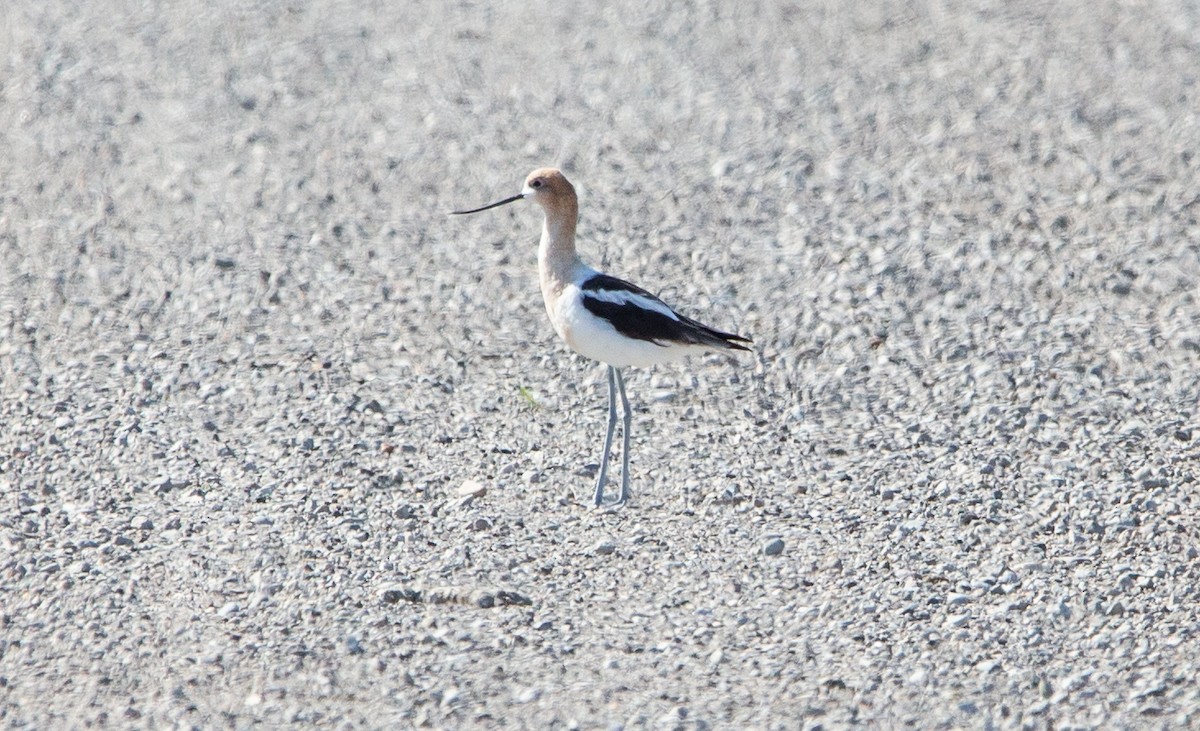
x: 506, y: 201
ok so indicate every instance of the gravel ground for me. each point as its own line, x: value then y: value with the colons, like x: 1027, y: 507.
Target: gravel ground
x: 285, y: 445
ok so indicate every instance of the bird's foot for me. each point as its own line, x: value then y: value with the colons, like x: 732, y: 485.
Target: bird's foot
x: 609, y: 507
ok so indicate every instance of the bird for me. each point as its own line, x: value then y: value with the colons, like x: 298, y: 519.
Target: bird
x: 602, y: 317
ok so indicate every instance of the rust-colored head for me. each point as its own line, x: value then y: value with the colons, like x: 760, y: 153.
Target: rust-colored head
x: 549, y: 188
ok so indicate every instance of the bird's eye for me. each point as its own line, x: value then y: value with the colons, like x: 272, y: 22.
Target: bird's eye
x: 536, y: 184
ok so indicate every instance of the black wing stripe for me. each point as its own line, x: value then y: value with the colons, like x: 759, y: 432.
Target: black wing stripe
x: 636, y: 322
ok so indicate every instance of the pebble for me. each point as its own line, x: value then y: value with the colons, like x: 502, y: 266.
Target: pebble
x: 527, y: 695
x: 958, y: 620
x: 392, y: 596
x: 604, y: 548
x: 472, y: 488
x: 773, y: 547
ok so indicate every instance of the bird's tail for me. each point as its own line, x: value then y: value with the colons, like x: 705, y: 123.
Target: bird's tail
x: 702, y: 334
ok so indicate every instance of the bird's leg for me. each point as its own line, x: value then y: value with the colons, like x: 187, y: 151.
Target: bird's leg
x: 612, y: 424
x: 624, y: 438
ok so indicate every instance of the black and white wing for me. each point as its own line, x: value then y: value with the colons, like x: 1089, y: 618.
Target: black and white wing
x: 637, y: 314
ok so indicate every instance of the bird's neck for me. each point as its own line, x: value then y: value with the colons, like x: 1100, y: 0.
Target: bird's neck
x: 556, y: 253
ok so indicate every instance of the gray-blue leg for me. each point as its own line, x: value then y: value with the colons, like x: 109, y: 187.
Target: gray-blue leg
x: 612, y: 424
x: 624, y: 438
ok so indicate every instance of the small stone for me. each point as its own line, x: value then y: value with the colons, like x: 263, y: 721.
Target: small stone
x: 987, y: 667
x: 604, y: 548
x: 958, y: 620
x: 479, y: 524
x: 443, y: 595
x: 506, y: 598
x: 392, y: 596
x: 528, y: 695
x: 773, y: 547
x: 229, y: 609
x: 471, y: 488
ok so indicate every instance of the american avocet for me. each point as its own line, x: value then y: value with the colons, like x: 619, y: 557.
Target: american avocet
x: 602, y: 317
